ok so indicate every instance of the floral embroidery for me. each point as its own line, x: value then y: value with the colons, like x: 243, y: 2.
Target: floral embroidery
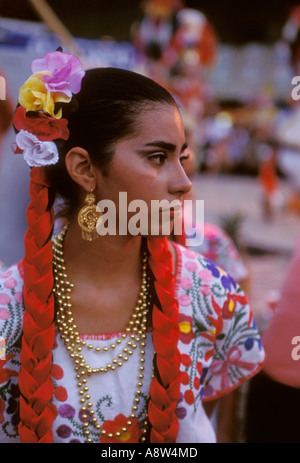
x: 132, y: 434
x: 186, y: 328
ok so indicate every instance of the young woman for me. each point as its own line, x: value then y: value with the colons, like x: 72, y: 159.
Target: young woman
x: 113, y: 338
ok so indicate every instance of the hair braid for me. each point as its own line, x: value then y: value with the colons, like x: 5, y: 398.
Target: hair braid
x: 35, y: 382
x: 165, y: 386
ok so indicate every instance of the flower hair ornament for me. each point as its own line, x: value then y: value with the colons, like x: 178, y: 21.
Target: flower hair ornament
x: 38, y: 118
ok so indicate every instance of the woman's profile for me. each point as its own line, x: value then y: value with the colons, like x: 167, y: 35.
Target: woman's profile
x: 118, y: 337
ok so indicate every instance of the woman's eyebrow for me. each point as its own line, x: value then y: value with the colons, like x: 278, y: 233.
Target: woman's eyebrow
x: 166, y: 145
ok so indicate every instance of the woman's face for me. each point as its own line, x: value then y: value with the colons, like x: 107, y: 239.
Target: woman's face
x: 149, y: 165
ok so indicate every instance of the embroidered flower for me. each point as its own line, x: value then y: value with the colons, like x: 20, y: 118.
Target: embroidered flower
x: 228, y: 282
x: 66, y: 411
x: 185, y: 328
x: 189, y: 397
x: 19, y: 297
x: 4, y: 314
x: 180, y: 412
x: 63, y: 72
x: 184, y: 377
x: 37, y: 153
x: 6, y: 274
x: 213, y: 268
x: 10, y: 283
x: 229, y: 307
x: 186, y: 283
x: 64, y: 431
x: 61, y: 393
x: 186, y: 360
x: 57, y: 372
x: 205, y: 276
x: 4, y: 299
x: 205, y: 290
x: 44, y: 127
x: 191, y: 266
x: 132, y: 435
x: 6, y: 373
x: 184, y: 300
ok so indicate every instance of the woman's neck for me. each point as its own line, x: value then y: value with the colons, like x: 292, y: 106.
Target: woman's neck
x: 106, y: 257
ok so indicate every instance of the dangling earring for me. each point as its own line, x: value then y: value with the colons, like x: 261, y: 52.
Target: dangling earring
x: 88, y: 217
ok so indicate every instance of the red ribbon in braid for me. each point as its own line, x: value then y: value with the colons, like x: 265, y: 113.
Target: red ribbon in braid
x: 164, y: 389
x: 35, y: 382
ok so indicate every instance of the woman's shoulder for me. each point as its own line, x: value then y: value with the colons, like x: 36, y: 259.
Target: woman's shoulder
x: 11, y: 304
x: 201, y: 270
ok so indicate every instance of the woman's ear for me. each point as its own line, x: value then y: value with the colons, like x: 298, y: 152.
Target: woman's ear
x: 80, y: 168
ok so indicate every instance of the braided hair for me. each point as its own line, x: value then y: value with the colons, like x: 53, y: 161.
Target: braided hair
x: 105, y: 110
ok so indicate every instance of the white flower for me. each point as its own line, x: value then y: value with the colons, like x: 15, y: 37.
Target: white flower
x: 37, y: 153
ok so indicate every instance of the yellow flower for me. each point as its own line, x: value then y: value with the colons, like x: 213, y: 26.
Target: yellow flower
x: 34, y: 96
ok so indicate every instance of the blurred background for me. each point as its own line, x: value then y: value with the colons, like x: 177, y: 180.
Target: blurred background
x: 230, y: 66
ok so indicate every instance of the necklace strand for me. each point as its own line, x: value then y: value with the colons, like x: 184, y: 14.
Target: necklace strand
x: 136, y: 331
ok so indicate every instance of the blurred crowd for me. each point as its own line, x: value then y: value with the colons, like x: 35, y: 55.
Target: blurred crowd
x: 178, y: 47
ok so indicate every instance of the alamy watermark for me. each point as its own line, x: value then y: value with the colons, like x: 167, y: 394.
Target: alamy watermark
x: 2, y: 88
x: 161, y: 218
x: 2, y: 348
x: 295, y: 353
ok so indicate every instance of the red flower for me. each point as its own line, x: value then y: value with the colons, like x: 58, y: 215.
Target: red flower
x: 189, y: 397
x: 61, y: 393
x: 184, y: 377
x: 196, y: 383
x: 45, y: 128
x: 57, y: 372
x: 132, y: 435
x: 229, y: 306
x: 199, y: 367
x: 186, y: 360
x: 6, y: 373
x: 186, y: 328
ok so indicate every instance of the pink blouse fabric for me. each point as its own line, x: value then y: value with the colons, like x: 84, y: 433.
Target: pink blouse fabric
x: 283, y: 327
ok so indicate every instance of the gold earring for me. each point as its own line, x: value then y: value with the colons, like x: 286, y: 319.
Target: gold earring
x: 88, y: 217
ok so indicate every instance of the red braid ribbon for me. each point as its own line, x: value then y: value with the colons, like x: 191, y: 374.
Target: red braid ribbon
x: 35, y: 382
x: 164, y: 390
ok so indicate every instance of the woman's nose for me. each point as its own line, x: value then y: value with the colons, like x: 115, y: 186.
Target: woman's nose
x: 179, y: 183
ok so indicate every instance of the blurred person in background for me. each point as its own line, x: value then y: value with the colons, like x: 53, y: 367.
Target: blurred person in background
x: 6, y: 117
x: 273, y: 402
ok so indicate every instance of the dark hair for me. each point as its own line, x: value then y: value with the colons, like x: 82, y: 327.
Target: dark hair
x: 108, y: 108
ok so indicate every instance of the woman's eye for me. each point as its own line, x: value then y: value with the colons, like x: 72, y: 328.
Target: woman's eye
x: 184, y: 158
x: 158, y: 158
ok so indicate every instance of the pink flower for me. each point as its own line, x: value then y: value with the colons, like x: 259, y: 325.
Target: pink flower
x: 19, y: 297
x: 205, y: 275
x: 65, y: 70
x: 10, y: 283
x: 184, y: 300
x: 205, y: 290
x: 5, y: 274
x: 191, y: 266
x: 4, y: 314
x: 189, y: 254
x: 4, y: 299
x: 36, y: 153
x: 186, y: 283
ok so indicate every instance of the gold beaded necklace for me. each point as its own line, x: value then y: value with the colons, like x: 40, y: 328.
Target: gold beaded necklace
x: 135, y: 331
